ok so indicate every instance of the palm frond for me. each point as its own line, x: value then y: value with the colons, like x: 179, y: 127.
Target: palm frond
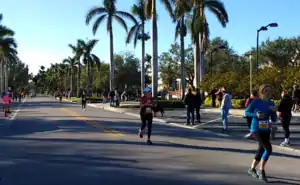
x: 121, y: 21
x: 126, y: 15
x: 131, y: 32
x: 98, y: 22
x: 93, y: 12
x: 148, y: 9
x: 218, y: 9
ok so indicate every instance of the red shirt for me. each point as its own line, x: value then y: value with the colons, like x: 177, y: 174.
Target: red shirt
x: 147, y: 101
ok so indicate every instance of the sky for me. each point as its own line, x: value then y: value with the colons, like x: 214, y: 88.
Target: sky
x: 45, y: 28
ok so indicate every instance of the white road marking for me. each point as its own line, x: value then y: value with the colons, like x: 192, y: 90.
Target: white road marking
x: 13, y: 116
x: 214, y: 120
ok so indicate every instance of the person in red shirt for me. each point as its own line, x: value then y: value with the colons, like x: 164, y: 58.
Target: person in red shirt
x: 146, y: 105
x: 249, y: 119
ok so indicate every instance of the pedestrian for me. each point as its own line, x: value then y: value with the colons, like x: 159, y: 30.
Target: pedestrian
x: 285, y: 116
x: 189, y: 102
x: 262, y: 110
x: 105, y: 96
x: 219, y: 96
x: 146, y: 113
x: 112, y: 96
x: 249, y: 119
x: 213, y: 97
x: 296, y: 98
x: 225, y: 107
x: 117, y: 98
x: 198, y: 102
x: 83, y: 101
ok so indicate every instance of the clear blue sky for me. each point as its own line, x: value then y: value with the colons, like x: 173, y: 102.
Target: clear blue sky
x: 45, y: 28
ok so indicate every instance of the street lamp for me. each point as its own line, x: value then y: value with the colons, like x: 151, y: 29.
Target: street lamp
x: 211, y: 54
x: 249, y: 54
x: 263, y: 28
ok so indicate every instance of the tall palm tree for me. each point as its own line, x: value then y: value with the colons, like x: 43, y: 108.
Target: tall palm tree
x: 137, y: 32
x: 109, y: 10
x: 200, y: 30
x: 89, y: 60
x: 77, y: 51
x: 181, y: 31
x: 8, y: 52
x: 150, y: 12
x: 71, y: 63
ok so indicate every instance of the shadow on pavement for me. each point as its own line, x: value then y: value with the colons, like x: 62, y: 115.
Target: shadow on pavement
x: 161, y: 144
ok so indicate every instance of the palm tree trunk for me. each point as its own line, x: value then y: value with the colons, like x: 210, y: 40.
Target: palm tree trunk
x: 78, y: 80
x: 182, y: 66
x: 143, y: 59
x: 88, y: 80
x: 71, y: 81
x: 197, y: 62
x: 6, y: 76
x: 154, y: 50
x: 201, y: 47
x: 112, y: 60
x: 1, y: 76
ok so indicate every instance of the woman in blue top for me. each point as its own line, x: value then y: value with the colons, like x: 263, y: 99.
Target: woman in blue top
x: 261, y: 110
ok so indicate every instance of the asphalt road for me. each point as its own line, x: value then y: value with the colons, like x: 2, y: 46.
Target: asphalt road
x: 51, y: 143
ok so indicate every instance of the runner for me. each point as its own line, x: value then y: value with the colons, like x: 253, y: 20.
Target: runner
x: 261, y: 110
x: 83, y: 101
x: 249, y: 119
x: 146, y: 104
x: 285, y: 115
x: 6, y: 100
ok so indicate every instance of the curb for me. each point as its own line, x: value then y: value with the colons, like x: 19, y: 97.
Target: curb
x: 164, y: 122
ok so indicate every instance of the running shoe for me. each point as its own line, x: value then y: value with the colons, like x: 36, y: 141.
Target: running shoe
x: 149, y: 142
x: 285, y: 144
x: 253, y: 172
x: 140, y: 133
x: 249, y: 136
x: 262, y: 176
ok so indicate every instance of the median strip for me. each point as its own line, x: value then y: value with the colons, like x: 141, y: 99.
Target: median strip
x: 92, y: 123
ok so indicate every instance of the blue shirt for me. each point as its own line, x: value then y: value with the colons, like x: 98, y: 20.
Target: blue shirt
x: 259, y: 105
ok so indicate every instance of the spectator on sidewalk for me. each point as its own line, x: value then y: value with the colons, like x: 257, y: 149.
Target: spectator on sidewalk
x: 219, y: 95
x: 189, y: 102
x: 105, y: 96
x: 285, y: 115
x: 296, y: 97
x: 112, y: 96
x: 213, y: 97
x: 225, y: 107
x: 198, y: 102
x: 249, y: 119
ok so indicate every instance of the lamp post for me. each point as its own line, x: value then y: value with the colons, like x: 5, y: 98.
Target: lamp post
x: 249, y: 54
x: 263, y: 28
x: 211, y: 55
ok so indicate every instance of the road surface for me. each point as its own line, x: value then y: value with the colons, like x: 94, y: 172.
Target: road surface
x: 51, y: 143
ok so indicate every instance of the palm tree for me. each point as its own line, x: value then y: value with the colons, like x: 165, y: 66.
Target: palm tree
x: 137, y: 32
x: 109, y: 10
x: 150, y: 12
x: 181, y: 31
x: 89, y: 60
x: 71, y: 63
x: 8, y: 52
x: 77, y: 51
x: 200, y: 30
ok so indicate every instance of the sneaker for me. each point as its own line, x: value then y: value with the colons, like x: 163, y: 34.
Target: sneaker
x: 149, y: 142
x: 140, y: 133
x: 187, y: 124
x: 262, y: 176
x: 248, y: 136
x: 253, y: 172
x: 285, y: 144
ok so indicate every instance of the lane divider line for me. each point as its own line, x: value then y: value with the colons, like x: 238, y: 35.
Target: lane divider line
x: 92, y: 123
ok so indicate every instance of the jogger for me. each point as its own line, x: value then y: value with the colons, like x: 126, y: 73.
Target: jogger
x: 285, y: 115
x: 225, y: 107
x: 83, y: 101
x: 146, y: 113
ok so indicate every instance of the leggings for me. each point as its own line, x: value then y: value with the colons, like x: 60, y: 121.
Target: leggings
x: 264, y: 145
x: 83, y: 104
x: 147, y: 120
x: 249, y: 121
x: 285, y: 123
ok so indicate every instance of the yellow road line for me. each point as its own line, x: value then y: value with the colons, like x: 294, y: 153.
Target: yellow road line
x: 93, y: 123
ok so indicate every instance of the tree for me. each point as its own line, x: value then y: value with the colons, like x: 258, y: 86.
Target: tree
x: 89, y: 60
x: 71, y: 64
x: 109, y: 10
x: 200, y: 30
x: 137, y: 32
x: 150, y: 12
x: 77, y: 52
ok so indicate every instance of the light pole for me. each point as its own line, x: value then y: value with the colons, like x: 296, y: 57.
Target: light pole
x: 249, y: 54
x: 211, y: 55
x: 263, y: 28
